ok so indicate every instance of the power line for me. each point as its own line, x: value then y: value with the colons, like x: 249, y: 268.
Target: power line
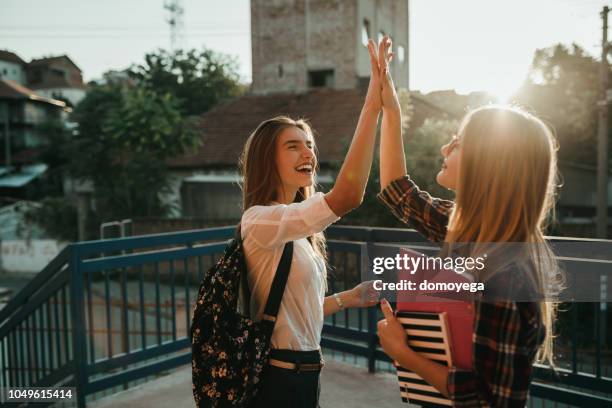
x: 142, y: 35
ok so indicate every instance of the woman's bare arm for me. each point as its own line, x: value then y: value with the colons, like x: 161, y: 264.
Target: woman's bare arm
x: 349, y: 188
x: 392, y: 160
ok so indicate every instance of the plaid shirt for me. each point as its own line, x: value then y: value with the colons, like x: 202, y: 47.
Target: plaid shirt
x: 506, y: 334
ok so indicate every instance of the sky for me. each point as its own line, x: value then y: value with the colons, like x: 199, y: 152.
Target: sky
x: 467, y: 45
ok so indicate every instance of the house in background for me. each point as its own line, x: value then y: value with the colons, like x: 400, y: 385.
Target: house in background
x: 12, y: 67
x: 31, y: 94
x: 207, y: 180
x: 51, y: 77
x: 56, y: 77
x: 21, y: 111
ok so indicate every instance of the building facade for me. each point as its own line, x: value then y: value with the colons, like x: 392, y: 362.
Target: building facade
x: 12, y: 67
x: 56, y: 77
x: 298, y: 45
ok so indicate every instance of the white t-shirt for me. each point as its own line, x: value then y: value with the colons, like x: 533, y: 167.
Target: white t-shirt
x: 265, y: 230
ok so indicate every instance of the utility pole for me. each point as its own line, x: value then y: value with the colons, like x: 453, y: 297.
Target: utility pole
x: 175, y: 21
x: 602, y: 173
x: 602, y: 134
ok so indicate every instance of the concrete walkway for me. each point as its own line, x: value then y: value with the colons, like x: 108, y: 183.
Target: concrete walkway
x: 342, y: 385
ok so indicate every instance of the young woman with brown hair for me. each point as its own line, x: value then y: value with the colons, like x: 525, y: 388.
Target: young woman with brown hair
x: 280, y: 205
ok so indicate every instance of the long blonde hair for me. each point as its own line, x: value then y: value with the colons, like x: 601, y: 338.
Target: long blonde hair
x: 505, y: 193
x: 260, y: 177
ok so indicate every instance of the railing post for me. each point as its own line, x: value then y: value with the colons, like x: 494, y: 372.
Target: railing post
x: 372, y: 340
x: 364, y: 264
x: 77, y: 306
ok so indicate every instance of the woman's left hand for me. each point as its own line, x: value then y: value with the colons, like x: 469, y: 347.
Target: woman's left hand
x: 373, y: 97
x: 392, y: 336
x: 363, y: 295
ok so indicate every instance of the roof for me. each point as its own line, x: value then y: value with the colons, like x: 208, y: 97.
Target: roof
x: 424, y: 109
x: 12, y: 90
x: 50, y: 60
x: 11, y: 57
x: 333, y: 115
x: 23, y: 177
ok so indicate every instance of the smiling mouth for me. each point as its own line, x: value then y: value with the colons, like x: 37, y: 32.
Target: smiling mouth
x: 304, y: 169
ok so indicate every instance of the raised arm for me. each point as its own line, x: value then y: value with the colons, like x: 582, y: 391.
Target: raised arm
x: 392, y: 159
x: 349, y: 188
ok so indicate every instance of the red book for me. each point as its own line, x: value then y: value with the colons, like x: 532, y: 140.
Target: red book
x: 459, y: 313
x: 438, y: 328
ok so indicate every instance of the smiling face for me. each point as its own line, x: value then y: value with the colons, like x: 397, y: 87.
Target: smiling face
x: 449, y: 173
x: 295, y: 162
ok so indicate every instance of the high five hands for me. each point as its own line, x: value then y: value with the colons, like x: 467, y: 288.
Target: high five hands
x: 381, y: 90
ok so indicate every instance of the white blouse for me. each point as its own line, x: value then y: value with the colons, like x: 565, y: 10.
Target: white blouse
x: 265, y: 230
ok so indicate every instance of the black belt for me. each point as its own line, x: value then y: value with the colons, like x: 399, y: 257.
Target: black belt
x: 296, y: 361
x: 297, y: 367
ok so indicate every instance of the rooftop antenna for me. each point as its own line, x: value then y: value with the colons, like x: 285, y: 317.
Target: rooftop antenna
x: 175, y: 20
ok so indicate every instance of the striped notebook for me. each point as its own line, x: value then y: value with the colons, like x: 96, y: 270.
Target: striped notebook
x: 428, y: 335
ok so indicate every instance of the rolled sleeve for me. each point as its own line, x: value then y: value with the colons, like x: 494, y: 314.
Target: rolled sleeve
x: 274, y: 225
x: 417, y: 208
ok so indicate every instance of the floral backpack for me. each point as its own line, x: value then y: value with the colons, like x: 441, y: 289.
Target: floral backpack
x: 229, y: 349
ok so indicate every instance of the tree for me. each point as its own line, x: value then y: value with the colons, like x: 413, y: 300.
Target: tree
x: 127, y: 135
x: 128, y: 128
x: 562, y: 88
x: 199, y: 80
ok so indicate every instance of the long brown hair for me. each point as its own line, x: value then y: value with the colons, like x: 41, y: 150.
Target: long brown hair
x: 505, y: 193
x: 260, y: 177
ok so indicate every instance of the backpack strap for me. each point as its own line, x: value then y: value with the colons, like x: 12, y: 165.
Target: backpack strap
x: 278, y: 288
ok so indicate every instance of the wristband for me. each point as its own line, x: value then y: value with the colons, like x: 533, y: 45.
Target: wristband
x: 338, y: 301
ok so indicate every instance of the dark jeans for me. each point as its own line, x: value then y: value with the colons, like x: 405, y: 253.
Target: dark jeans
x: 281, y: 387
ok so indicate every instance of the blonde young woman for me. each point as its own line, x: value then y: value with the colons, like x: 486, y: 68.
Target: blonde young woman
x: 280, y: 205
x: 502, y: 167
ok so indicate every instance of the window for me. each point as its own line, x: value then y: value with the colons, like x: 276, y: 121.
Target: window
x: 323, y: 78
x: 280, y: 71
x: 400, y: 54
x: 36, y: 76
x: 59, y: 73
x: 365, y: 32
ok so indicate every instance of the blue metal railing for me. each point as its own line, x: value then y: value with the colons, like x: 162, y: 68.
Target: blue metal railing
x: 73, y: 324
x: 104, y: 314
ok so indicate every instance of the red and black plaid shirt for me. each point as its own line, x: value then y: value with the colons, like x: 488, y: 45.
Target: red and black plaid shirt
x: 506, y: 334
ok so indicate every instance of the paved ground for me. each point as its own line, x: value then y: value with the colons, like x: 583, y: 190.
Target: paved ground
x: 343, y: 385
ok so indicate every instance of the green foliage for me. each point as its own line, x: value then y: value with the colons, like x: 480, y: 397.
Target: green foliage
x: 563, y: 89
x: 127, y: 134
x: 423, y: 156
x: 198, y: 79
x: 372, y: 212
x: 128, y: 128
x: 146, y: 122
